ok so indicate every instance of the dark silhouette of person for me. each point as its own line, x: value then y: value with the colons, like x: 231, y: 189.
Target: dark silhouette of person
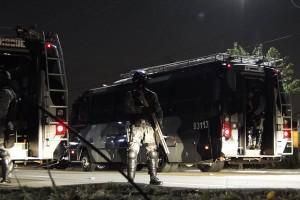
x: 255, y: 118
x: 141, y: 128
x: 7, y: 129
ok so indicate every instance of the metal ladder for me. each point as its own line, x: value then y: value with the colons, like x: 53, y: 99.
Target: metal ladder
x: 223, y: 57
x: 285, y: 110
x: 59, y: 75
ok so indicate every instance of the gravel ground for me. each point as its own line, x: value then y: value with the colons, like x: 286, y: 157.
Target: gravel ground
x: 124, y: 191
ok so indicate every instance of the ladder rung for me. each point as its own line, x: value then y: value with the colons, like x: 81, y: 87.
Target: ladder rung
x: 288, y: 113
x: 57, y: 90
x: 53, y: 123
x: 55, y: 74
x: 53, y: 58
x: 58, y: 106
x: 288, y: 109
x: 287, y: 117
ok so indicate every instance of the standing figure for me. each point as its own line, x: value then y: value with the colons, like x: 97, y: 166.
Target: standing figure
x: 7, y: 113
x: 255, y: 118
x: 141, y: 125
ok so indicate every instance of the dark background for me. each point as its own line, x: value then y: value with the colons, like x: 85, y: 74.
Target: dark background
x: 102, y: 39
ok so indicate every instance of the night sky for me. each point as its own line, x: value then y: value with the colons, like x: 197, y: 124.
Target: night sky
x: 102, y: 39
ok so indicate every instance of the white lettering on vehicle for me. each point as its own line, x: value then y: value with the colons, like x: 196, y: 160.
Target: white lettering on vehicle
x: 200, y: 125
x: 12, y: 42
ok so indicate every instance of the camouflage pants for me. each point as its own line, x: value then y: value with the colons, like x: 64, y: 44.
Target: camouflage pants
x: 142, y: 133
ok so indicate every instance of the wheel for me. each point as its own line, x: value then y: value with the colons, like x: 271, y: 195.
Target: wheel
x: 174, y: 167
x: 164, y: 165
x: 214, y: 167
x: 86, y: 163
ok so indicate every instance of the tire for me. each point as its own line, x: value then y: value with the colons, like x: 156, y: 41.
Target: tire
x: 174, y: 167
x: 214, y: 167
x: 86, y: 164
x: 164, y: 165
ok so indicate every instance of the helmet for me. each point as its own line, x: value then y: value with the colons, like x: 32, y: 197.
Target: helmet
x: 139, y: 77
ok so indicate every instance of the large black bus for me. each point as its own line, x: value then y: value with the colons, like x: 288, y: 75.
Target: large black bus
x: 206, y: 120
x: 36, y: 64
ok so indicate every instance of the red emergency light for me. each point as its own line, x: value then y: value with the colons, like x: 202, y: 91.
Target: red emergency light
x: 228, y: 65
x: 226, y: 129
x: 286, y: 131
x: 60, y: 129
x: 48, y: 45
x: 286, y: 134
x: 227, y: 133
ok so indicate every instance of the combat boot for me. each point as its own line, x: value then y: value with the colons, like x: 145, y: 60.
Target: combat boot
x: 155, y: 181
x: 153, y: 172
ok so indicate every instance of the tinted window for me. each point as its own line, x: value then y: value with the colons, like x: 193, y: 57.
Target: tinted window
x: 83, y: 111
x: 102, y: 107
x: 195, y: 92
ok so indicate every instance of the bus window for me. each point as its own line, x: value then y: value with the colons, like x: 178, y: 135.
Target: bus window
x: 119, y: 106
x: 190, y: 93
x: 102, y: 109
x: 160, y: 85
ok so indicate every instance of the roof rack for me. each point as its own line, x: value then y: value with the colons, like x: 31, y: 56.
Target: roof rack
x: 223, y: 57
x: 26, y: 33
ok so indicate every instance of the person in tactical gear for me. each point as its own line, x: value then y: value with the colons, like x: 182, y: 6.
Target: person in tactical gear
x: 255, y: 118
x: 7, y: 99
x: 141, y: 125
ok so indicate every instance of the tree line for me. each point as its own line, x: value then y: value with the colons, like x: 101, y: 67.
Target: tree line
x: 291, y: 84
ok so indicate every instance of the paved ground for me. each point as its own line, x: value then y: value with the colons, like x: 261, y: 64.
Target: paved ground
x: 188, y: 178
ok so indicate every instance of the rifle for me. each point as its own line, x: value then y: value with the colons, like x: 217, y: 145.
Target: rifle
x: 157, y: 128
x: 160, y: 134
